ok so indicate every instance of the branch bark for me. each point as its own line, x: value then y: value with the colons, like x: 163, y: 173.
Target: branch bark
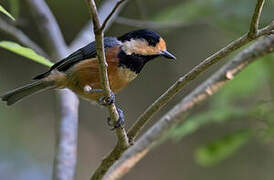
x: 178, y: 113
x: 122, y: 143
x: 114, y: 10
x: 254, y: 25
x: 67, y: 129
x: 57, y: 48
x: 191, y: 75
x: 172, y: 91
x: 69, y: 111
x: 20, y: 36
x: 85, y: 37
x: 49, y: 28
x: 99, y: 36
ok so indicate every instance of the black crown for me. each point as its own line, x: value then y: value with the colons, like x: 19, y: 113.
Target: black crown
x: 151, y: 37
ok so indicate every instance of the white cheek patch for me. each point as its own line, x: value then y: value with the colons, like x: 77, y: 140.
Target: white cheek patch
x: 139, y: 47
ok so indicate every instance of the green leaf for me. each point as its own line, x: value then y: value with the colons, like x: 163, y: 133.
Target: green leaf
x: 242, y: 86
x: 6, y: 13
x: 214, y: 152
x: 26, y: 52
x: 223, y: 106
x: 219, y: 114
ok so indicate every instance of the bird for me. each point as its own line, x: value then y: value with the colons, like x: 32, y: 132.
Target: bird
x: 125, y: 55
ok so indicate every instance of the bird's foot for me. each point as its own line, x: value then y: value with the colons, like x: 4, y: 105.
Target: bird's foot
x: 107, y: 100
x: 120, y: 121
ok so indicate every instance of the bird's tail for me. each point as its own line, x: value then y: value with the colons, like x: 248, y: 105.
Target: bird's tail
x: 15, y: 95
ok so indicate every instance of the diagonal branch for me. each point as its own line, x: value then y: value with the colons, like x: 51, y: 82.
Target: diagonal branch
x: 67, y: 131
x: 122, y: 143
x: 155, y: 107
x: 20, y: 36
x: 118, y: 4
x: 197, y: 70
x: 49, y: 28
x: 178, y: 113
x: 85, y: 37
x: 254, y: 25
x: 98, y: 31
x: 191, y: 75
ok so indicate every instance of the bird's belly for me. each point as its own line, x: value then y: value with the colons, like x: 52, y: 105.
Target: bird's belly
x: 83, y: 78
x: 121, y: 78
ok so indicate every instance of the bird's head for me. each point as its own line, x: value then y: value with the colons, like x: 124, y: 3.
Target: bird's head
x: 144, y: 43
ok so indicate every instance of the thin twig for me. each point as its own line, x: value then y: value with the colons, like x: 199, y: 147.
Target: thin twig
x: 67, y: 131
x: 111, y: 158
x: 85, y: 37
x: 122, y: 143
x: 111, y: 14
x: 191, y: 75
x: 254, y: 25
x: 122, y: 137
x: 49, y: 28
x: 20, y: 36
x: 178, y: 113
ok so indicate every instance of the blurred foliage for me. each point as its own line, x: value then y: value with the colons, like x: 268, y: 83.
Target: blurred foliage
x: 218, y: 115
x: 26, y: 52
x: 220, y: 12
x: 221, y: 148
x: 227, y: 105
x: 6, y: 12
x: 14, y: 7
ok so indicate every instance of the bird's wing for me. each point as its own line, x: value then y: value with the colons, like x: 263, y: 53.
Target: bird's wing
x: 87, y: 52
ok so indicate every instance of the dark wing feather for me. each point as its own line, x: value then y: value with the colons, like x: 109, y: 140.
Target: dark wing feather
x: 87, y: 52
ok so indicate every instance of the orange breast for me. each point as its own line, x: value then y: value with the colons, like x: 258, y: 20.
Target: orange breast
x: 86, y: 73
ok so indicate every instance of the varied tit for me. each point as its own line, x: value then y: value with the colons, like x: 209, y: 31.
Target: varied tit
x: 125, y: 56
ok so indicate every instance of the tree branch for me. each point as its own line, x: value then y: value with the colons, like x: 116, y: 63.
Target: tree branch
x: 98, y: 31
x: 254, y: 25
x: 178, y: 113
x: 197, y: 70
x: 122, y: 143
x: 49, y: 28
x: 85, y: 37
x: 66, y: 143
x: 20, y: 36
x: 111, y: 14
x: 116, y: 152
x: 191, y: 75
x: 69, y: 111
x: 64, y: 165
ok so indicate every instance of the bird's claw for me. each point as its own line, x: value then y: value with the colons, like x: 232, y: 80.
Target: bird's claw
x: 107, y: 100
x: 120, y: 121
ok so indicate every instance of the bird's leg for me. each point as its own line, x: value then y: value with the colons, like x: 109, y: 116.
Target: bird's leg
x: 107, y: 100
x: 120, y: 121
x: 102, y: 100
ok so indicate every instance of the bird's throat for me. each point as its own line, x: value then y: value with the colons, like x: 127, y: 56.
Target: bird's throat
x: 134, y: 62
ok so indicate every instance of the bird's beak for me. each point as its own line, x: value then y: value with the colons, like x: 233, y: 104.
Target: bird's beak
x: 167, y: 54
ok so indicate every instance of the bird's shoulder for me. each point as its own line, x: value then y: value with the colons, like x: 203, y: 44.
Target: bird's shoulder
x: 86, y: 52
